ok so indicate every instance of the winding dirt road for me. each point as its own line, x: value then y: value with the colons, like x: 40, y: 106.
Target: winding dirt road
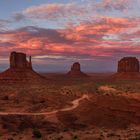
x: 75, y: 104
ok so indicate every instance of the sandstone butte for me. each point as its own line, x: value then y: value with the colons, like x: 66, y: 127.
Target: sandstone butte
x: 128, y: 68
x: 20, y: 69
x: 76, y: 71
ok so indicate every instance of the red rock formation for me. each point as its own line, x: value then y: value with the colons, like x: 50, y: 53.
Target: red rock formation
x: 76, y: 71
x: 128, y: 68
x: 18, y: 61
x: 20, y: 69
x: 128, y: 64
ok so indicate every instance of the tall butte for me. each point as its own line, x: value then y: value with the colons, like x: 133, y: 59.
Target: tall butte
x: 76, y: 71
x: 128, y: 68
x: 20, y: 69
x: 18, y: 61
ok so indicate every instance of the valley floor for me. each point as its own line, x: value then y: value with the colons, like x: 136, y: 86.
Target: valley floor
x: 95, y: 108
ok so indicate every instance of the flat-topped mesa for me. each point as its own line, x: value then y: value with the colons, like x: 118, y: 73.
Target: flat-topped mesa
x: 76, y: 67
x: 20, y: 70
x: 128, y: 64
x: 76, y: 71
x: 128, y: 68
x: 19, y: 61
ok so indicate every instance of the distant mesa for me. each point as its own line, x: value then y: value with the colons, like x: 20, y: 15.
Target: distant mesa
x: 128, y: 64
x: 129, y: 68
x: 76, y: 71
x: 20, y: 69
x: 18, y: 61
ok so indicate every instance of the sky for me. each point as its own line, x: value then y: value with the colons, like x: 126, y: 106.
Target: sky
x: 57, y: 33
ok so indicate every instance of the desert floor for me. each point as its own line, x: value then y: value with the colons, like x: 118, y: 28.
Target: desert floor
x: 63, y: 108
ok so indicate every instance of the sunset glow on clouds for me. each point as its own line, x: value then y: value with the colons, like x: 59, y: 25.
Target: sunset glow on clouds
x: 96, y: 33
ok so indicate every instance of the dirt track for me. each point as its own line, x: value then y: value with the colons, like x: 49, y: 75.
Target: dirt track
x: 74, y: 103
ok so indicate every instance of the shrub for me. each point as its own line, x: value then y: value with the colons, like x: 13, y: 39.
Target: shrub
x: 74, y: 137
x: 111, y: 134
x: 136, y: 138
x: 10, y: 139
x: 37, y: 133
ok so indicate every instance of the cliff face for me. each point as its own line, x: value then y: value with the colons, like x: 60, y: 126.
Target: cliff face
x: 128, y: 64
x: 18, y: 60
x: 76, y: 71
x: 128, y: 68
x: 76, y: 67
x: 20, y: 70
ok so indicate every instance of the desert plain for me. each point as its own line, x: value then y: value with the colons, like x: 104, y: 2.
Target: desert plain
x: 96, y: 107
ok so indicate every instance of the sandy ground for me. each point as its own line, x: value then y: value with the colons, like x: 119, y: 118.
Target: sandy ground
x: 92, y: 134
x: 63, y: 102
x: 74, y: 103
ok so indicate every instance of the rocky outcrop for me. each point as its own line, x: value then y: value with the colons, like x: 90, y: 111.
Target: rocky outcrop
x: 18, y: 61
x: 128, y: 68
x: 76, y: 71
x: 128, y: 64
x: 20, y: 70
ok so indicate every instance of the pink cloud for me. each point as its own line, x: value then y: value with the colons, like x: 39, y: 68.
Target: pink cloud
x: 82, y: 41
x: 54, y: 11
x: 116, y: 4
x: 74, y: 12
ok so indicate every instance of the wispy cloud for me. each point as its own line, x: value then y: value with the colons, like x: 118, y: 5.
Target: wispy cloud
x: 72, y: 11
x: 101, y: 37
x: 4, y: 23
x: 53, y: 12
x: 116, y: 4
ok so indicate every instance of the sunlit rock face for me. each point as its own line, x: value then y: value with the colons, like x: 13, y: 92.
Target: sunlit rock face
x: 18, y: 60
x: 76, y: 71
x: 128, y: 64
